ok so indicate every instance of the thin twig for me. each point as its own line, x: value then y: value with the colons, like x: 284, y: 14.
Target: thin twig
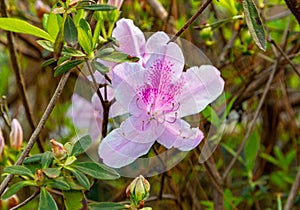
x: 191, y: 20
x: 252, y: 124
x: 26, y: 201
x: 38, y: 129
x: 285, y: 56
x: 294, y: 191
x: 19, y: 76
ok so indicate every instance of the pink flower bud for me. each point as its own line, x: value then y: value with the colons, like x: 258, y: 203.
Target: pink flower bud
x: 16, y: 135
x: 39, y: 177
x: 59, y: 151
x: 138, y: 191
x: 116, y: 3
x: 2, y: 144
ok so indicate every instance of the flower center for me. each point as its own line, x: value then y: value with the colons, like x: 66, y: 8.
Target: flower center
x: 158, y: 96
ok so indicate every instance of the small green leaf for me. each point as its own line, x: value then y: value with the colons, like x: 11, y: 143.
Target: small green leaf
x: 13, y: 189
x: 66, y: 66
x: 47, y: 159
x: 67, y: 51
x: 73, y: 199
x: 59, y: 183
x: 48, y: 62
x: 18, y: 170
x: 70, y: 160
x: 251, y: 150
x: 70, y: 31
x: 254, y: 24
x: 46, y: 201
x: 81, y: 145
x: 96, y: 170
x: 98, y: 7
x: 100, y: 67
x: 21, y: 26
x: 58, y: 45
x: 52, y: 172
x: 85, y: 38
x: 118, y: 57
x: 106, y: 206
x: 81, y: 178
x: 96, y: 33
x: 53, y: 24
x: 33, y: 159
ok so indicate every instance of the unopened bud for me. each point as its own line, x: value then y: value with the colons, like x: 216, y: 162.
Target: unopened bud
x: 138, y: 191
x: 16, y: 135
x: 116, y: 3
x: 39, y: 177
x: 2, y: 144
x: 9, y: 202
x: 59, y: 151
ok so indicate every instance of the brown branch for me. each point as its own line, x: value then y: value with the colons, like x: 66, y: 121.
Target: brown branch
x: 294, y: 6
x: 19, y: 76
x: 294, y: 191
x: 38, y: 129
x: 191, y: 20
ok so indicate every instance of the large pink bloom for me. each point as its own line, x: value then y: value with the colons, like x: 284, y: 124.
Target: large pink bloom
x: 158, y: 94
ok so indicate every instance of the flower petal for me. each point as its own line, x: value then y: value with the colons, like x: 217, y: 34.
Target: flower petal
x: 180, y: 135
x: 117, y: 151
x: 131, y: 39
x: 138, y: 129
x: 126, y: 78
x: 202, y: 86
x: 168, y: 56
x: 156, y: 41
x: 85, y: 117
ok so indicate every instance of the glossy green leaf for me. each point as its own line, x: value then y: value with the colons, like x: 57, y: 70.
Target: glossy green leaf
x: 13, y: 189
x: 70, y: 31
x: 18, y: 170
x: 85, y: 36
x: 70, y: 160
x: 66, y: 66
x: 33, y: 159
x: 98, y: 7
x: 96, y: 170
x: 73, y: 199
x: 53, y: 24
x: 254, y: 24
x: 100, y: 67
x: 21, y: 26
x: 251, y: 150
x: 48, y: 62
x: 106, y: 206
x: 118, y: 57
x: 81, y: 145
x: 81, y: 178
x: 67, y: 51
x: 52, y: 172
x: 46, y: 201
x: 59, y: 183
x: 46, y: 159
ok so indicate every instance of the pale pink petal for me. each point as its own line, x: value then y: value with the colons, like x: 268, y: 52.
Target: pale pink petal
x: 131, y: 39
x: 202, y: 86
x: 140, y: 130
x: 126, y: 78
x: 100, y: 79
x: 181, y: 136
x: 168, y: 56
x: 117, y: 151
x: 156, y: 41
x: 85, y: 117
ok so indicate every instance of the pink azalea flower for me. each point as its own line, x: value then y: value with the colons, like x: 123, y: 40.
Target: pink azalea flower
x: 157, y: 94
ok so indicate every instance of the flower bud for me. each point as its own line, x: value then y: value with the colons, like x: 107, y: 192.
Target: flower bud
x: 9, y: 202
x: 2, y: 144
x: 59, y: 151
x: 16, y: 135
x: 39, y: 177
x: 138, y: 191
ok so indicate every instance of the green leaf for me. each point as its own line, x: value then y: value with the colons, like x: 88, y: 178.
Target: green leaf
x: 251, y: 150
x: 52, y: 172
x: 85, y: 36
x: 100, y: 67
x: 70, y: 160
x: 53, y: 24
x: 96, y: 170
x: 21, y: 26
x: 46, y: 201
x: 66, y: 66
x: 96, y: 33
x: 48, y: 62
x: 81, y: 178
x: 106, y: 206
x: 47, y: 159
x: 13, y: 189
x: 98, y: 7
x: 59, y: 183
x: 18, y: 170
x: 118, y: 57
x: 81, y: 145
x: 70, y: 31
x: 33, y: 159
x: 73, y: 199
x: 254, y: 24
